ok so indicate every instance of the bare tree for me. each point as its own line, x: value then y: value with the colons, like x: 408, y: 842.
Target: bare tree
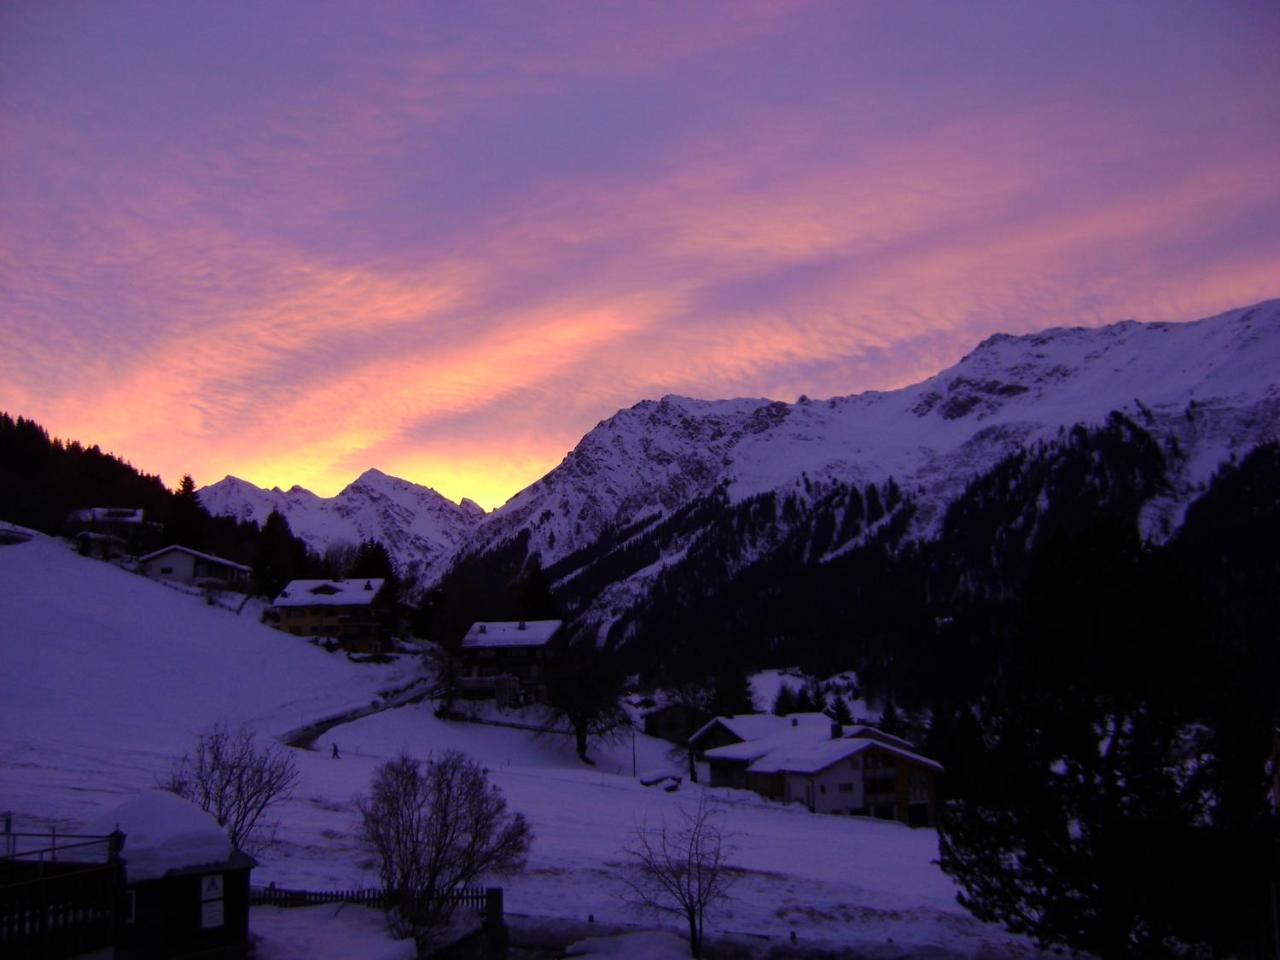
x: 236, y: 780
x: 681, y: 870
x: 435, y: 827
x: 583, y: 694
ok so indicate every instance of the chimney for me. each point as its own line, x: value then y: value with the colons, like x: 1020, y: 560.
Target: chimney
x: 837, y: 731
x: 795, y: 721
x: 522, y: 626
x: 368, y: 585
x: 483, y: 629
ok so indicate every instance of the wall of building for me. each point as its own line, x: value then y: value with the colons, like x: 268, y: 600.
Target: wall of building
x: 838, y: 789
x: 174, y: 565
x: 354, y: 627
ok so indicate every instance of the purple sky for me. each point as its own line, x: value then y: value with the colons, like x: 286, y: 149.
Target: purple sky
x: 290, y: 241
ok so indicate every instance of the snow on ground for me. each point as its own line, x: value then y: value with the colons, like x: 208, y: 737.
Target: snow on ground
x: 334, y: 930
x: 646, y: 945
x: 107, y: 676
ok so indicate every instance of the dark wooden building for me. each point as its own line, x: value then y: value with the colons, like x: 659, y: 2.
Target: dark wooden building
x: 509, y: 660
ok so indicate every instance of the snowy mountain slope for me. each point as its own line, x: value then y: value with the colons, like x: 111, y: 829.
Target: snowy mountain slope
x: 1212, y: 386
x: 420, y: 528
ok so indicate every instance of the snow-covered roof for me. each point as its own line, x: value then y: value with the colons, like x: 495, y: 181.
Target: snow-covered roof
x: 815, y: 757
x: 511, y: 633
x: 222, y: 561
x: 99, y: 537
x: 107, y: 515
x: 163, y: 832
x: 754, y: 726
x: 356, y: 592
x: 875, y: 733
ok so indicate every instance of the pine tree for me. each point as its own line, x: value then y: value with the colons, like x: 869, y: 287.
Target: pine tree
x: 731, y: 694
x: 804, y: 701
x: 279, y: 557
x: 536, y: 601
x: 186, y: 518
x: 785, y: 701
x: 840, y: 712
x: 890, y: 722
x: 1110, y: 778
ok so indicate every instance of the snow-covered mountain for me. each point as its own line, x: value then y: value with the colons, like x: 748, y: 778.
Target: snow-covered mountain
x: 420, y: 528
x: 1212, y: 387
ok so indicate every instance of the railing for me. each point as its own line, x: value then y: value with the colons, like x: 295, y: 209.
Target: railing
x: 59, y: 895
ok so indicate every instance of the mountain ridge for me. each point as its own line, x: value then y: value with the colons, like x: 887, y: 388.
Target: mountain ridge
x: 420, y: 528
x: 1208, y: 387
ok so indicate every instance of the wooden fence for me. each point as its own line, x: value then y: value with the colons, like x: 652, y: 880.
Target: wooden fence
x: 483, y: 901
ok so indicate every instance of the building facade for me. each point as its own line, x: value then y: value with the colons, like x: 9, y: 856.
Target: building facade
x: 348, y: 611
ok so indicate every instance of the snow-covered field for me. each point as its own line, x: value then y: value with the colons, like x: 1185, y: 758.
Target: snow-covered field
x: 105, y: 677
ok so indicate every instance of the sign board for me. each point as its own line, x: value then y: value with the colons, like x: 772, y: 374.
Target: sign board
x: 211, y: 887
x: 211, y: 915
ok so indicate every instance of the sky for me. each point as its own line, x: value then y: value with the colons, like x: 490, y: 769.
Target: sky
x: 289, y: 241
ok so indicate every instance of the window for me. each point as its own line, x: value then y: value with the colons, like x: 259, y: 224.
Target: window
x: 846, y: 788
x: 822, y: 788
x: 164, y: 570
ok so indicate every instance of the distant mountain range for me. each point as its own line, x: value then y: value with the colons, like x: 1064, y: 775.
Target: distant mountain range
x: 421, y: 529
x: 1206, y: 390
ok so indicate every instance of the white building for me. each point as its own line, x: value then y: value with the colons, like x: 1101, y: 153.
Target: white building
x: 191, y: 566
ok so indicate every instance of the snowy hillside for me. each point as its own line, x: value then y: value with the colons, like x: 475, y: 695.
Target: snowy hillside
x: 107, y: 675
x: 1213, y: 386
x: 420, y: 528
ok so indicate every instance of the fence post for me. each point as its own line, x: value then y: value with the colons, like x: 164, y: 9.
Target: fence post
x: 493, y: 907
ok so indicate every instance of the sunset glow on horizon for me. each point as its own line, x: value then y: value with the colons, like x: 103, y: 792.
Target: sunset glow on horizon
x: 290, y: 241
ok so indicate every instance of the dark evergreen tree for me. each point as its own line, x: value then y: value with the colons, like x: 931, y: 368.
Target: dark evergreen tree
x: 804, y: 701
x: 185, y: 519
x: 536, y: 601
x: 875, y: 509
x: 42, y: 480
x: 373, y: 562
x: 483, y: 586
x: 890, y: 721
x: 785, y: 701
x: 731, y: 693
x: 840, y: 712
x: 1100, y: 803
x: 279, y: 558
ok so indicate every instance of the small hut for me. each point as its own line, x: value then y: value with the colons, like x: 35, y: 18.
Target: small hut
x: 187, y: 889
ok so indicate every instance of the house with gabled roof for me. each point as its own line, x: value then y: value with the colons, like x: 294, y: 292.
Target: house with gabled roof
x: 509, y: 659
x: 109, y: 532
x: 856, y: 775
x: 728, y: 745
x: 811, y: 759
x: 346, y: 610
x: 184, y: 565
